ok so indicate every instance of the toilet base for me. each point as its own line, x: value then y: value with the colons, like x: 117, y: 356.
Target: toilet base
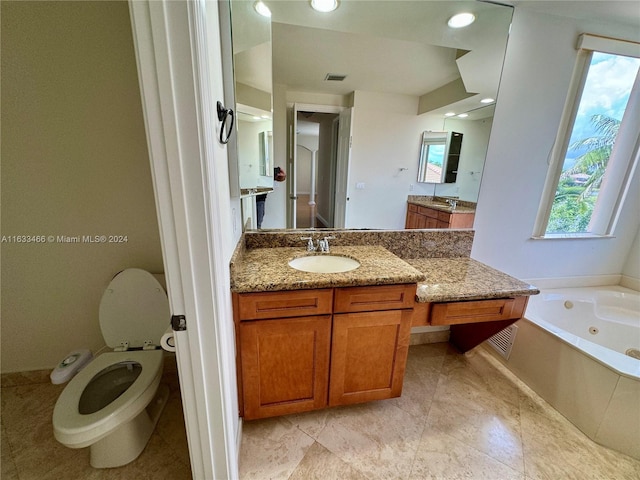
x: 127, y: 442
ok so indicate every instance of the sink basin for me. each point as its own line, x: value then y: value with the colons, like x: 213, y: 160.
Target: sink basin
x: 324, y: 264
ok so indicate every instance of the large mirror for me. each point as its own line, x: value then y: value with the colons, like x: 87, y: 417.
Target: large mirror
x: 251, y: 45
x: 378, y: 74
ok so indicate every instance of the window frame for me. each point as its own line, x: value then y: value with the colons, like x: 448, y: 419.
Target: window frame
x: 623, y: 159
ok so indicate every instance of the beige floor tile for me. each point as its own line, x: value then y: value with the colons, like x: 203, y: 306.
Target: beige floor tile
x: 442, y: 457
x: 8, y: 470
x: 171, y: 429
x: 376, y: 438
x: 271, y: 449
x: 311, y: 423
x: 421, y: 379
x: 476, y: 414
x: 554, y: 448
x: 320, y: 464
x: 27, y: 412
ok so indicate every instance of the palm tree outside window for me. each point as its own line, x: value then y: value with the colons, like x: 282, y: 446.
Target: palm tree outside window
x: 584, y: 189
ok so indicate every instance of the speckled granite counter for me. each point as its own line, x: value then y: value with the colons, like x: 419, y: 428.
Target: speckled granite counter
x: 440, y: 203
x: 438, y: 260
x: 267, y: 269
x: 455, y: 279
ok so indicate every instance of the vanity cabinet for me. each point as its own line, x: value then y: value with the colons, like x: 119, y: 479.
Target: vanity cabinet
x: 419, y: 216
x: 308, y: 349
x: 473, y: 321
x: 285, y: 365
x: 370, y: 343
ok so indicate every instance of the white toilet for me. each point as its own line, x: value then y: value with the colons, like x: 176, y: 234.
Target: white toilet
x: 114, y: 403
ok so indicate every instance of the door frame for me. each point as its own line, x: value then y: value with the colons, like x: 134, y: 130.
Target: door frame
x: 175, y: 43
x: 292, y: 143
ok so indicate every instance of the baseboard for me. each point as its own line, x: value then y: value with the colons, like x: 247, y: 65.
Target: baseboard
x: 630, y: 282
x: 423, y: 337
x: 577, y: 281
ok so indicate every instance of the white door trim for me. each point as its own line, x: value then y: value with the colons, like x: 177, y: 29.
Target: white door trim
x: 173, y: 50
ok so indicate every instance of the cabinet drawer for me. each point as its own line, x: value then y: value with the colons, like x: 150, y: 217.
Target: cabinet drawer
x: 413, y: 208
x: 367, y: 299
x: 256, y: 306
x: 444, y: 216
x: 454, y: 313
x: 428, y: 212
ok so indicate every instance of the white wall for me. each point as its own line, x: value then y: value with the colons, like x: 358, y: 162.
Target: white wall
x: 387, y: 135
x: 632, y: 263
x: 249, y: 154
x: 538, y: 67
x: 74, y: 162
x: 303, y: 167
x: 276, y: 205
x: 475, y: 141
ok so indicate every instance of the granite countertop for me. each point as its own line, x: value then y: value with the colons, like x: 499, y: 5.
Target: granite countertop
x: 267, y: 269
x: 455, y: 279
x: 438, y: 203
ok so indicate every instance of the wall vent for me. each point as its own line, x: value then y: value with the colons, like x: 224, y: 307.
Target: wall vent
x: 502, y: 342
x: 334, y: 77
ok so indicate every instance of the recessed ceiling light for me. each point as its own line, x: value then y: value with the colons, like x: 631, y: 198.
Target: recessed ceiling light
x: 463, y: 115
x: 461, y: 20
x: 488, y: 100
x: 324, y: 5
x: 262, y: 9
x: 450, y: 114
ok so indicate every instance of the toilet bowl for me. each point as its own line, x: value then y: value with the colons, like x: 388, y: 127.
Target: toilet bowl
x: 113, y: 404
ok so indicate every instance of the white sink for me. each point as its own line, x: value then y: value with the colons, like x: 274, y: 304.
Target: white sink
x: 324, y: 264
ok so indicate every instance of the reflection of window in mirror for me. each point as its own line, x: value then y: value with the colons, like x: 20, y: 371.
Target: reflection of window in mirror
x: 432, y: 157
x: 266, y: 152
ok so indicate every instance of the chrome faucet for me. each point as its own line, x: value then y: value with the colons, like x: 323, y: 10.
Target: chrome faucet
x: 452, y: 202
x: 310, y: 247
x: 323, y: 245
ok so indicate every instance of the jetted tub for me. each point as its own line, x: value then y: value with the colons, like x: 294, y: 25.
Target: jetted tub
x: 575, y: 348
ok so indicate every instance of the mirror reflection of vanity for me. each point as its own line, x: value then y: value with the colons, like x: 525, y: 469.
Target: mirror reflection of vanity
x: 400, y: 81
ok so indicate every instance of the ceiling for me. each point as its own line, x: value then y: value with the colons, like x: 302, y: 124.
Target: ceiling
x: 625, y: 12
x: 401, y: 47
x: 390, y: 46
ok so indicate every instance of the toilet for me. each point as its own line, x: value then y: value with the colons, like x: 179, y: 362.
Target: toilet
x: 113, y: 404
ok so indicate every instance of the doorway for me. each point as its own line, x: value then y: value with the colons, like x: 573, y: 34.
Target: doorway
x: 316, y: 139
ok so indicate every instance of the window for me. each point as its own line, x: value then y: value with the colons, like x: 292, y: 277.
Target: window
x: 597, y: 145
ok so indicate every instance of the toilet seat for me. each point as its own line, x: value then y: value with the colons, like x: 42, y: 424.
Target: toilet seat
x: 76, y: 430
x: 134, y: 310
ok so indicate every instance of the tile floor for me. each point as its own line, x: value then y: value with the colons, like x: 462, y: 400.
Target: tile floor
x: 30, y: 452
x: 460, y: 417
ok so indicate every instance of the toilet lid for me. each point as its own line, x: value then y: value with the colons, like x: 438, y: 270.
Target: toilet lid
x: 134, y: 309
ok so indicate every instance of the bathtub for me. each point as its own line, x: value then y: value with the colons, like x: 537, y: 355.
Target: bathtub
x: 574, y: 348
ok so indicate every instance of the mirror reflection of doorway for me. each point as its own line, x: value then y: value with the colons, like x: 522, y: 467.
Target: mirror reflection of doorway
x: 316, y: 153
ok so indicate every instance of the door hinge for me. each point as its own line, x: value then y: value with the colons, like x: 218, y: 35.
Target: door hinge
x: 178, y: 323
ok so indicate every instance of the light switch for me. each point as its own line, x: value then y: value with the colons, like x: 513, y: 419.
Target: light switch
x: 360, y: 185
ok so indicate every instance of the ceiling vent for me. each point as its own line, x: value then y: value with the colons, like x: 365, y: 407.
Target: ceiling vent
x: 334, y: 77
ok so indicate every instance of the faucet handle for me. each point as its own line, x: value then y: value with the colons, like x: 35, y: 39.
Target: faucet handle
x: 323, y: 245
x: 310, y: 247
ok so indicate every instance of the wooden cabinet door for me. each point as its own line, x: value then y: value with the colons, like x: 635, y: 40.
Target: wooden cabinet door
x: 461, y: 220
x: 413, y: 219
x: 285, y: 365
x: 369, y: 355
